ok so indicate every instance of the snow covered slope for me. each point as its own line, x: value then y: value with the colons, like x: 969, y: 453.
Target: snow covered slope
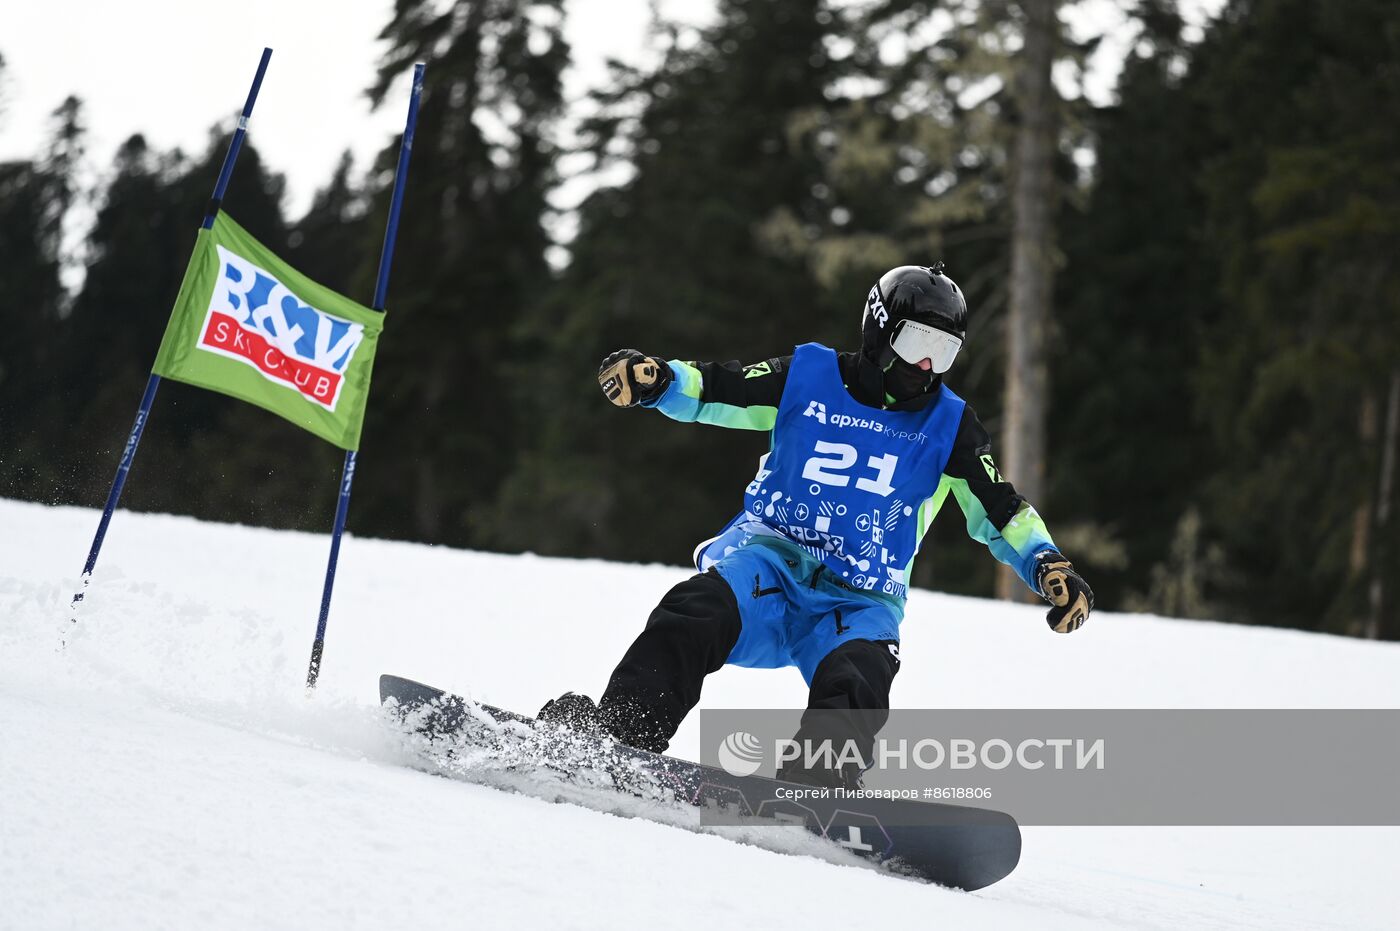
x: 165, y: 769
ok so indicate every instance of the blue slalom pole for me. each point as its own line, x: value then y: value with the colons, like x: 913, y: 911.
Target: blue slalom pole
x: 236, y: 143
x: 143, y: 412
x: 381, y: 288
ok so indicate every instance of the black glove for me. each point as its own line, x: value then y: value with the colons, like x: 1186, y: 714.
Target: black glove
x: 627, y: 377
x: 1069, y: 595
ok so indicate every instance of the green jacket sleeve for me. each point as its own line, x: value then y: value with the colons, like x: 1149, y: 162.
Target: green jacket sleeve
x: 725, y: 394
x: 996, y: 515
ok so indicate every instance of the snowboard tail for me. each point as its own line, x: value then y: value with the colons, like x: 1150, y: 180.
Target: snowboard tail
x: 951, y: 845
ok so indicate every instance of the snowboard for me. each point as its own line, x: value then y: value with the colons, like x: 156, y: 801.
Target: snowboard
x: 951, y: 845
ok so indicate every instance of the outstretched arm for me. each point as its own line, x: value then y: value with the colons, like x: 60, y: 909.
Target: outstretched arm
x: 1012, y: 529
x: 724, y: 394
x: 996, y: 514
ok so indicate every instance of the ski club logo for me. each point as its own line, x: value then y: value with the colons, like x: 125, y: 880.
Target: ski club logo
x: 257, y: 320
x: 741, y: 754
x: 876, y: 307
x: 816, y: 409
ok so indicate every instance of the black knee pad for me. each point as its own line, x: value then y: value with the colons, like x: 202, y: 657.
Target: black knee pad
x: 857, y: 674
x: 850, y: 695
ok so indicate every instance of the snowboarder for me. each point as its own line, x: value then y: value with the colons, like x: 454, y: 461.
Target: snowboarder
x: 866, y: 447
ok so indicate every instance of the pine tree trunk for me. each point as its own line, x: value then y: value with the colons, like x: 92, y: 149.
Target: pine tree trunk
x: 1382, y: 624
x: 1363, y: 518
x: 1032, y: 258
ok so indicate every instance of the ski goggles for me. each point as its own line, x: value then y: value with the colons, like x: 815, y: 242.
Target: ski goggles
x: 913, y: 342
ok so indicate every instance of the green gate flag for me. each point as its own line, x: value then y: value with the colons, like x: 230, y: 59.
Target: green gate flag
x: 247, y: 324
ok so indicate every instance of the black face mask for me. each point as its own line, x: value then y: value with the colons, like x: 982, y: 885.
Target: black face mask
x: 904, y: 380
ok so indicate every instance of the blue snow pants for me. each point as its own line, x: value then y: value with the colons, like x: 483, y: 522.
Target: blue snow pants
x: 794, y: 611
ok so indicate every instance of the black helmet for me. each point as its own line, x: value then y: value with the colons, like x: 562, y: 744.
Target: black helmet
x: 912, y: 292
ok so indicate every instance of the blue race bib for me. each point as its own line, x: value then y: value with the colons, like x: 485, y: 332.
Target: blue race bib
x: 845, y: 481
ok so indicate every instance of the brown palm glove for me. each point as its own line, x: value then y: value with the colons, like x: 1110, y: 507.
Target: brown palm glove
x: 1069, y: 595
x: 628, y: 378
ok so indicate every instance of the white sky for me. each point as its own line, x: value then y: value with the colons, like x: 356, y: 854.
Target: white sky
x: 172, y: 68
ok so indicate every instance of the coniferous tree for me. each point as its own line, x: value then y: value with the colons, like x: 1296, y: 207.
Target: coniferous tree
x: 470, y: 262
x: 1033, y: 257
x: 138, y: 250
x: 35, y: 200
x: 1296, y: 377
x: 333, y: 243
x: 1136, y: 292
x: 676, y: 261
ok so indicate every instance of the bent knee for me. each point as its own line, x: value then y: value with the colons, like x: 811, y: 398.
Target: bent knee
x: 860, y: 670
